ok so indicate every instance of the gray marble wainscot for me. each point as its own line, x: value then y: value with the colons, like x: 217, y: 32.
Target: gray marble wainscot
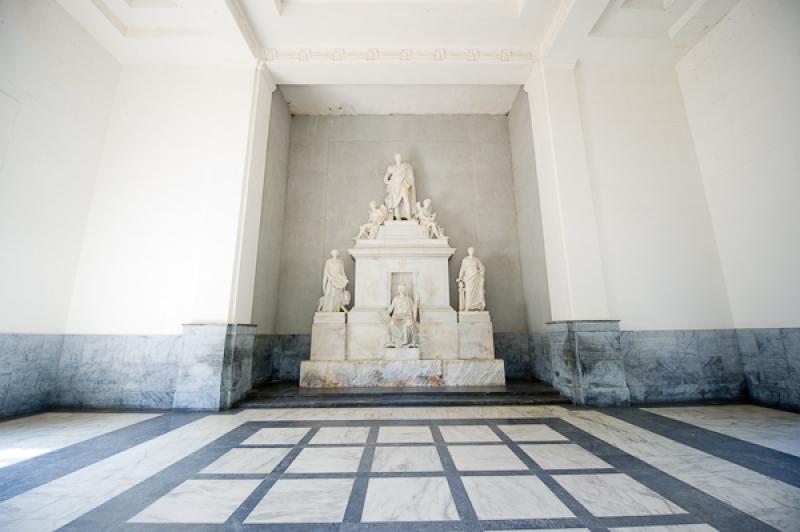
x: 28, y: 372
x: 541, y: 365
x: 682, y: 365
x: 513, y: 349
x: 771, y: 362
x: 130, y: 371
x: 587, y: 362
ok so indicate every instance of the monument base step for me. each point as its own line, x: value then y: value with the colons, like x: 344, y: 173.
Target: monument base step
x: 513, y: 393
x: 400, y: 373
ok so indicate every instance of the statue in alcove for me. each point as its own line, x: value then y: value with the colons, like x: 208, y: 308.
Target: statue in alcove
x: 402, y: 329
x: 401, y: 192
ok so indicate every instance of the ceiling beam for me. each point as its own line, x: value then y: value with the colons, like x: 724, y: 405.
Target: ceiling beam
x: 571, y: 24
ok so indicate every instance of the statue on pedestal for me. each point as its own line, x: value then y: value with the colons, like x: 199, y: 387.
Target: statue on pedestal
x: 470, y: 283
x: 334, y: 282
x: 377, y: 215
x: 401, y: 193
x: 427, y: 219
x: 402, y: 330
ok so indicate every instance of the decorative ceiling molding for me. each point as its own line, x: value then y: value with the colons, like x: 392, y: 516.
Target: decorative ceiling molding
x: 401, y: 54
x: 246, y: 27
x: 559, y: 19
x: 142, y: 32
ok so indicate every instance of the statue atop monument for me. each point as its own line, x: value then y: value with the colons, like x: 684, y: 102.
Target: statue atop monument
x: 470, y: 283
x: 427, y: 219
x: 403, y: 320
x: 334, y: 282
x: 377, y: 215
x: 401, y: 192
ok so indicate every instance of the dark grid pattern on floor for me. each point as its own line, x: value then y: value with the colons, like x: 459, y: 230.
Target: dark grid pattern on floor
x: 445, y: 502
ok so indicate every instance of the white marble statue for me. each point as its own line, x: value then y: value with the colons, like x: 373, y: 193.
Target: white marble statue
x: 334, y: 282
x: 401, y: 192
x: 377, y: 215
x: 470, y: 281
x: 402, y: 330
x: 427, y: 218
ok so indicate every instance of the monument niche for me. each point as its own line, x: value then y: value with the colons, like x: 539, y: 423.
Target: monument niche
x: 401, y: 329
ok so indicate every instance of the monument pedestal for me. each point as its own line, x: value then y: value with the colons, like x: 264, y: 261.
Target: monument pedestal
x: 454, y: 349
x: 475, y: 335
x: 328, y: 336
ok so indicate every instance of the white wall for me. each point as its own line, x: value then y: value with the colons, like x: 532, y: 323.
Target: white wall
x: 659, y: 254
x: 741, y: 85
x: 529, y: 215
x: 161, y: 236
x: 56, y: 89
x: 265, y: 304
x: 336, y: 165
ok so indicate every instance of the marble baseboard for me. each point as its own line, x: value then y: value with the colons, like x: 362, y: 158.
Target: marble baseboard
x: 669, y: 366
x: 122, y: 371
x: 771, y: 365
x: 28, y: 372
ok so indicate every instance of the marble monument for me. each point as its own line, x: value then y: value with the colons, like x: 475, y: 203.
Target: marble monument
x: 401, y: 329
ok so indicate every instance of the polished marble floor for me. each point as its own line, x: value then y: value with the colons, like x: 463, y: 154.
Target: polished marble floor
x: 676, y: 469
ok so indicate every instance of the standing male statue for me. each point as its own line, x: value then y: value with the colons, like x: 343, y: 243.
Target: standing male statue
x: 401, y: 193
x: 470, y: 283
x: 403, y: 320
x: 334, y: 282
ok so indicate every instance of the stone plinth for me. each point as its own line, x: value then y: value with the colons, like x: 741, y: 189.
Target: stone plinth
x: 328, y: 336
x: 438, y: 333
x: 401, y: 373
x: 358, y: 373
x: 475, y: 335
x: 401, y: 353
x: 474, y: 373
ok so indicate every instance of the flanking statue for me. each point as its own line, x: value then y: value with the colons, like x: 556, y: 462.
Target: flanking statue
x: 377, y: 215
x: 401, y: 191
x: 427, y: 219
x: 334, y: 296
x: 402, y: 329
x: 470, y: 283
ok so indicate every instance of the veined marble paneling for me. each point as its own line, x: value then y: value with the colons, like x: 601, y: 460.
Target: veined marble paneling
x: 664, y: 366
x: 771, y: 365
x: 28, y: 372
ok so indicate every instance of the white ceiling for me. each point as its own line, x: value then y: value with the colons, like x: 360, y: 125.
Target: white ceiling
x: 399, y: 99
x: 408, y: 56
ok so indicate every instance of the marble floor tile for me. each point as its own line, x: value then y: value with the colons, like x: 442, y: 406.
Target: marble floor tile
x: 531, y: 432
x: 337, y: 435
x: 303, y: 501
x: 485, y: 458
x: 60, y: 501
x: 769, y: 500
x: 616, y: 495
x: 409, y: 499
x: 198, y: 501
x: 767, y: 427
x: 277, y: 436
x: 514, y: 497
x: 327, y: 460
x: 247, y: 461
x: 666, y: 528
x: 563, y: 456
x: 403, y: 459
x: 28, y: 437
x: 405, y: 434
x: 467, y: 433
